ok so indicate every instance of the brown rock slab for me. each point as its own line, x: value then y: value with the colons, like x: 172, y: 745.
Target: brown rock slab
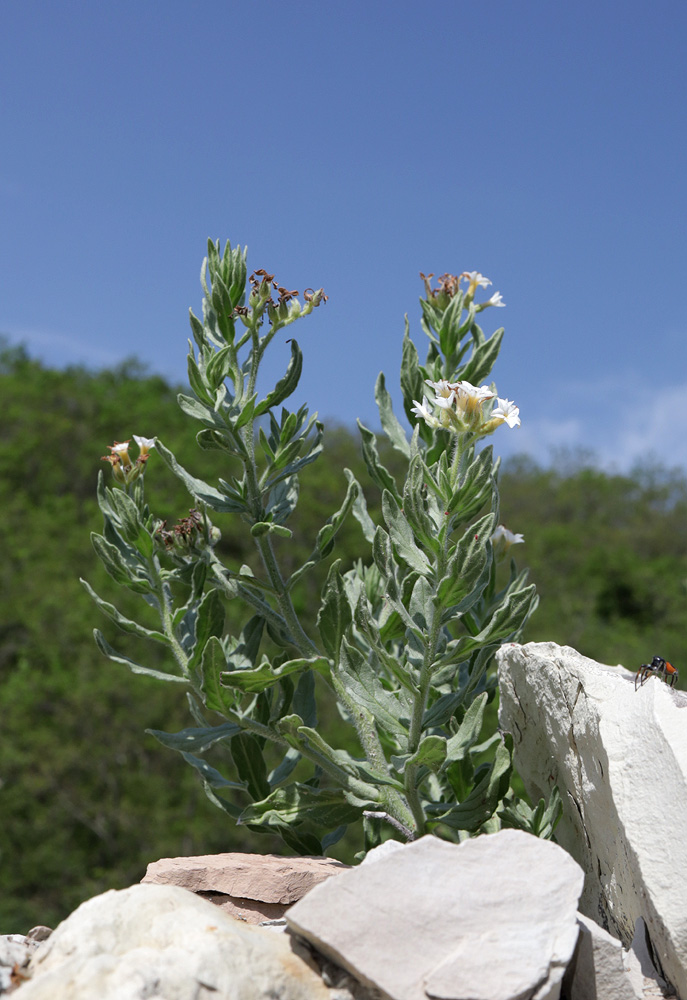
x: 251, y: 887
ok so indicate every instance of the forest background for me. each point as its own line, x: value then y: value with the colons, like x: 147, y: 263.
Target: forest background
x: 87, y: 800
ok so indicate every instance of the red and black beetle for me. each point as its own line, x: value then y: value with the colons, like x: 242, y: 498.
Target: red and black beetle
x: 660, y: 668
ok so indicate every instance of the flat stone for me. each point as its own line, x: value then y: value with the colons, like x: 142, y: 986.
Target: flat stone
x: 252, y: 887
x: 163, y: 941
x: 493, y: 918
x: 619, y: 758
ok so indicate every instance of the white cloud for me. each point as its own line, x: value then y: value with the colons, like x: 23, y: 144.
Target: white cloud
x: 60, y: 349
x: 621, y: 419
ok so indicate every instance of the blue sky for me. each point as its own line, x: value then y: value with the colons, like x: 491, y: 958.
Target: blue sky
x: 351, y: 145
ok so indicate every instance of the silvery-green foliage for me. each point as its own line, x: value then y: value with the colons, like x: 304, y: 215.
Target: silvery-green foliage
x: 405, y: 642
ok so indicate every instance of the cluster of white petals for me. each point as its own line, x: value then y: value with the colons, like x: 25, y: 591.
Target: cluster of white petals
x: 477, y: 280
x: 460, y: 406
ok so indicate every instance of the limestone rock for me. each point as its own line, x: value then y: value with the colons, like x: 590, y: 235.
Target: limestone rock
x: 15, y: 951
x: 252, y: 887
x: 381, y: 851
x: 491, y: 918
x: 154, y: 940
x: 598, y: 967
x: 619, y: 758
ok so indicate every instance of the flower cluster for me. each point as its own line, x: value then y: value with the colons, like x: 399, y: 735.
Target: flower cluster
x: 187, y: 533
x: 287, y: 307
x: 125, y: 470
x: 448, y: 285
x: 461, y: 406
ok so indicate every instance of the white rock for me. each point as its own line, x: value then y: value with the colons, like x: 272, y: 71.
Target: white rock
x: 619, y: 758
x: 491, y: 918
x: 152, y: 940
x: 381, y: 851
x: 15, y: 950
x: 598, y: 968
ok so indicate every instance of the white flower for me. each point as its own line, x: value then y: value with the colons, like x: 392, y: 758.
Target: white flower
x: 476, y: 279
x: 501, y: 532
x: 145, y: 444
x: 469, y: 391
x: 506, y: 412
x: 495, y: 300
x: 420, y: 410
x: 120, y: 448
x: 441, y: 388
x: 502, y: 539
x: 445, y: 402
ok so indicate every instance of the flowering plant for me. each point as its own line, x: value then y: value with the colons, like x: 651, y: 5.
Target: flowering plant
x: 404, y: 642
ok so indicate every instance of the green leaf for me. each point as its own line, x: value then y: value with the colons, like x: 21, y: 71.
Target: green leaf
x: 104, y: 647
x: 334, y: 616
x: 541, y: 822
x: 430, y: 753
x: 214, y: 660
x: 412, y: 383
x: 282, y: 500
x: 468, y: 731
x: 200, y: 411
x: 220, y: 365
x: 443, y: 709
x: 286, y: 385
x: 262, y: 528
x: 328, y: 532
x: 379, y: 474
x: 195, y: 377
x: 284, y: 770
x: 209, y: 622
x: 257, y: 679
x: 196, y: 487
x: 196, y: 740
x: 484, y: 798
x: 483, y: 359
x: 126, y: 573
x: 124, y: 623
x: 327, y: 808
x: 246, y: 413
x: 508, y: 618
x: 467, y: 565
x: 389, y: 709
x: 250, y: 764
x: 348, y: 765
x: 415, y: 505
x: 131, y: 526
x: 450, y: 326
x: 390, y: 424
x: 401, y: 535
x: 360, y: 512
x: 211, y: 775
x: 476, y: 487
